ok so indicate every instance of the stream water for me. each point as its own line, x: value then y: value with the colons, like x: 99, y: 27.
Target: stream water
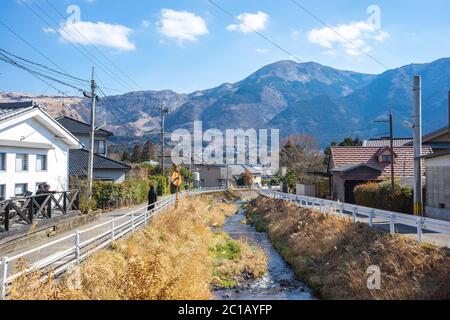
x: 279, y: 283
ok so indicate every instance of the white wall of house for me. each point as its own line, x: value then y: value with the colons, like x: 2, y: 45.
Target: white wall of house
x: 28, y: 130
x: 438, y: 187
x: 117, y: 176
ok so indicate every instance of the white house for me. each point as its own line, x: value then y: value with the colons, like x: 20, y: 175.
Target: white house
x: 34, y: 149
x: 438, y: 185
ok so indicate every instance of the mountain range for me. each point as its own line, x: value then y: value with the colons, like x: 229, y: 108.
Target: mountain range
x: 297, y: 98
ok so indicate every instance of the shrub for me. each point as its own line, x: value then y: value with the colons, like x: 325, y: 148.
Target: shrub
x: 109, y: 194
x: 379, y: 195
x: 161, y: 185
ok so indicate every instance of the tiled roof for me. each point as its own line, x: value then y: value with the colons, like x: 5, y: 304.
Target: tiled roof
x: 386, y: 142
x: 345, y: 157
x: 78, y: 163
x: 77, y: 127
x: 8, y: 110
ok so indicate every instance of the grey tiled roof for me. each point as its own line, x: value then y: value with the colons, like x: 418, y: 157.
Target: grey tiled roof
x: 78, y: 163
x: 77, y: 127
x: 13, y: 108
x: 398, y: 142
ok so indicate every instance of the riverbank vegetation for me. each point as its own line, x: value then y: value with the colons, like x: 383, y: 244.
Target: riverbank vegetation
x: 332, y: 255
x: 178, y: 256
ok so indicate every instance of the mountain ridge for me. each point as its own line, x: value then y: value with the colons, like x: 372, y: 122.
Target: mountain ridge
x: 298, y: 98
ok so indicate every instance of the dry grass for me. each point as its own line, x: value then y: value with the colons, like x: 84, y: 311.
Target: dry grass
x: 169, y: 260
x: 332, y: 255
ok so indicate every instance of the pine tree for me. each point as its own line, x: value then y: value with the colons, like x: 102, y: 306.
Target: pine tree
x: 149, y: 151
x: 136, y: 157
x: 126, y: 157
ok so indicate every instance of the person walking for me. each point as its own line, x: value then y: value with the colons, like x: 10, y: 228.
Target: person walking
x: 152, y: 197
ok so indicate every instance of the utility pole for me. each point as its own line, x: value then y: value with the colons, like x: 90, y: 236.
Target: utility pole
x: 163, y: 124
x: 92, y: 134
x: 418, y: 185
x: 391, y: 135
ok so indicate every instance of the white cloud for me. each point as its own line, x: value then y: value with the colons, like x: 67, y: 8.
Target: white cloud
x: 145, y: 24
x: 103, y: 34
x: 181, y: 25
x: 49, y: 30
x: 351, y: 36
x: 256, y: 21
x: 262, y: 50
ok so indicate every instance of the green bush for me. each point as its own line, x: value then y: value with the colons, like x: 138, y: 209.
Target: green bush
x: 379, y: 195
x: 161, y: 185
x: 109, y: 194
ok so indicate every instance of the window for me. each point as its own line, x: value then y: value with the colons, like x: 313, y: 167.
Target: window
x: 20, y: 189
x: 100, y: 147
x: 41, y: 162
x: 2, y: 161
x: 2, y: 192
x: 387, y: 158
x: 21, y: 162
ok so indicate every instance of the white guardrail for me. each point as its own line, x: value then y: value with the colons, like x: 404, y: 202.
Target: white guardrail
x: 355, y: 211
x: 63, y: 253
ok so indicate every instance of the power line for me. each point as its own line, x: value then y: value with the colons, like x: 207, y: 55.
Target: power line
x: 257, y: 32
x: 97, y: 49
x: 75, y: 44
x: 79, y: 80
x: 296, y: 3
x: 12, y: 62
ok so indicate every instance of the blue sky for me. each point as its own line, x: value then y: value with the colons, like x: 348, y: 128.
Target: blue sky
x: 191, y: 45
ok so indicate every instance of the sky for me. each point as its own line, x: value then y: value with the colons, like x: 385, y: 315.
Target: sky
x: 193, y: 45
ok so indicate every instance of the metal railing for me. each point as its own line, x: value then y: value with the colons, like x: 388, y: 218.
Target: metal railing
x: 355, y: 212
x: 60, y: 255
x: 27, y: 209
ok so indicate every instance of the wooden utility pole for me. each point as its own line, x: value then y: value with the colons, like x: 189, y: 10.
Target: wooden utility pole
x: 391, y: 136
x: 90, y: 172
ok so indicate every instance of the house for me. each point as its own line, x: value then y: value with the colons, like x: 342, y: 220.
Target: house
x: 438, y: 185
x: 386, y: 142
x: 438, y: 140
x: 217, y: 175
x: 352, y: 166
x: 34, y: 149
x: 105, y: 169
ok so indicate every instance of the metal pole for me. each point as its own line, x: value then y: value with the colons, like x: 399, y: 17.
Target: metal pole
x: 162, y: 138
x: 92, y: 135
x: 418, y: 185
x: 77, y: 247
x: 391, y: 130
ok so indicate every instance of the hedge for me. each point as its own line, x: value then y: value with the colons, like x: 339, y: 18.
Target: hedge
x: 379, y: 196
x: 109, y: 194
x: 161, y: 185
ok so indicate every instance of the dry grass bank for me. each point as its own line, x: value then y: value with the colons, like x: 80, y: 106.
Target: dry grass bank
x: 171, y: 259
x: 332, y: 255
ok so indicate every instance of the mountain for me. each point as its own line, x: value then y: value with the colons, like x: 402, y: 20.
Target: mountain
x: 298, y: 98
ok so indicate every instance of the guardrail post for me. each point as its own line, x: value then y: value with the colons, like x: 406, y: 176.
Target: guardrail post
x: 341, y: 210
x: 146, y: 217
x: 322, y: 204
x: 113, y: 230
x: 355, y: 210
x: 4, y: 276
x: 420, y: 230
x: 132, y: 221
x: 392, y: 224
x: 77, y: 247
x: 371, y: 213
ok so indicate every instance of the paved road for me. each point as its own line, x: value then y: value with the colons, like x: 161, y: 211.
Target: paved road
x: 87, y: 232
